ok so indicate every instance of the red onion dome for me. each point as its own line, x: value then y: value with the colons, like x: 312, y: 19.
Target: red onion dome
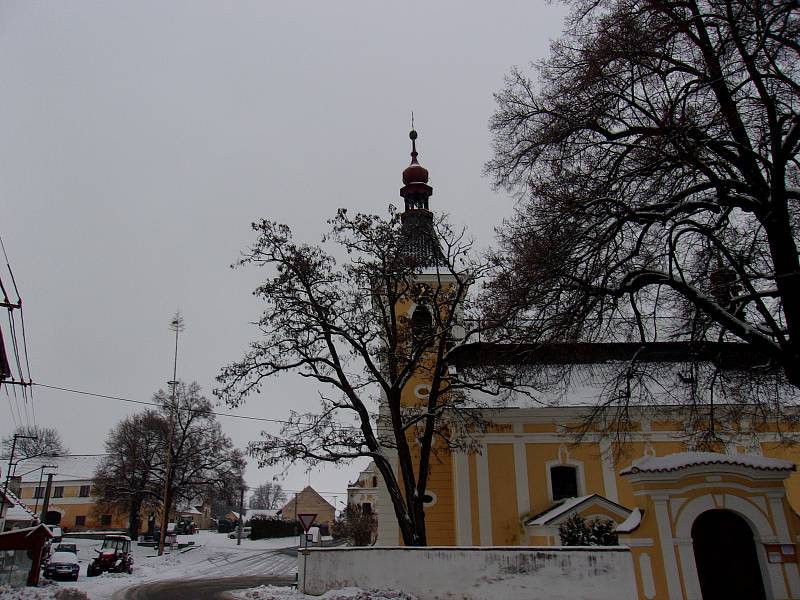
x: 415, y: 172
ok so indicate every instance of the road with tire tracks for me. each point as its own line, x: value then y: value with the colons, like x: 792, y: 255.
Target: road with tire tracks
x: 212, y: 582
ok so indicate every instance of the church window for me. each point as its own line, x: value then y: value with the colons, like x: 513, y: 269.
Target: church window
x: 564, y: 480
x: 421, y: 324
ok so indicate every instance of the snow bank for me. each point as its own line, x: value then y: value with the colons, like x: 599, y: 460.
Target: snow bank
x: 42, y: 593
x: 268, y: 592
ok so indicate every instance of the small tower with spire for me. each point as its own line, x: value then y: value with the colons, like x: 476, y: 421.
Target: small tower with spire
x: 420, y: 241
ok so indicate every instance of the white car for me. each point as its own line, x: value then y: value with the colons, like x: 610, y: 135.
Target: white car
x: 235, y: 533
x: 63, y: 564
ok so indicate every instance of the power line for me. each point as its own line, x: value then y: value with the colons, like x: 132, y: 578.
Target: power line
x: 156, y: 404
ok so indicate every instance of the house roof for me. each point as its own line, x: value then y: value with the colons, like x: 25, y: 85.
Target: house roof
x: 16, y: 510
x: 729, y: 354
x: 573, y: 505
x: 306, y: 491
x: 682, y: 460
x: 68, y: 468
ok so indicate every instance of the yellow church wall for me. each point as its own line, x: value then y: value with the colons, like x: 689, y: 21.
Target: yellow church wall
x: 539, y: 428
x: 473, y: 499
x: 440, y: 517
x: 537, y: 455
x: 792, y: 453
x: 503, y: 494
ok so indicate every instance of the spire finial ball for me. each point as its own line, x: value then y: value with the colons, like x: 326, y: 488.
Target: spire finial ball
x: 412, y: 134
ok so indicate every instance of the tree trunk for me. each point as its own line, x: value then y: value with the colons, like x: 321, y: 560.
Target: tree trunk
x: 134, y: 511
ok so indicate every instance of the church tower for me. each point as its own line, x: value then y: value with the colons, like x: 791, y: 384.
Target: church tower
x: 420, y: 311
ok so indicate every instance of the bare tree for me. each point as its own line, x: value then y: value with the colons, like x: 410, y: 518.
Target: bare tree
x: 127, y: 477
x: 656, y: 163
x: 353, y: 327
x: 269, y: 495
x: 204, y: 462
x: 48, y: 442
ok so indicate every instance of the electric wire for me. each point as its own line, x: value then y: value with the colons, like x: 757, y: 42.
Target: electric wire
x: 156, y: 404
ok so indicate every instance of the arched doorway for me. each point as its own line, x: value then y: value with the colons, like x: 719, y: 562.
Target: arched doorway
x: 52, y: 517
x: 725, y: 554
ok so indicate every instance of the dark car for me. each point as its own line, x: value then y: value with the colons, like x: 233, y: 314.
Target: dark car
x: 63, y: 564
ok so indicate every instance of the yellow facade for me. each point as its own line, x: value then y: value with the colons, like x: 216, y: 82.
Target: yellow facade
x: 485, y: 498
x: 76, y: 505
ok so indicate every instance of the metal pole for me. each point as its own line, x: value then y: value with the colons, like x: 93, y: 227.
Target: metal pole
x: 241, y: 517
x: 38, y: 487
x: 177, y: 325
x: 46, y: 503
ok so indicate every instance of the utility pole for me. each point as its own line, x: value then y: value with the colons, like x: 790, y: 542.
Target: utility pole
x: 17, y: 436
x: 175, y: 325
x: 46, y: 503
x: 38, y: 487
x: 241, y: 516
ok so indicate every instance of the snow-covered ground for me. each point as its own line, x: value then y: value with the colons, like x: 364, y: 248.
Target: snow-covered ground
x: 268, y: 592
x: 214, y: 555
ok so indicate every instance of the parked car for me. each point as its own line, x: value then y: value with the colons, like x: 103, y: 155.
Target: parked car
x: 63, y: 564
x: 57, y: 533
x: 67, y: 548
x: 235, y: 533
x: 114, y: 555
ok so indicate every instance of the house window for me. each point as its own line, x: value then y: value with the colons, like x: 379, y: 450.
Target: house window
x: 564, y: 481
x: 374, y: 482
x: 84, y: 493
x: 38, y: 492
x: 105, y: 520
x: 80, y: 521
x: 58, y: 491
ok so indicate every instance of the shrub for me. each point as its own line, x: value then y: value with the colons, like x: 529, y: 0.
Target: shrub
x: 576, y: 532
x: 270, y: 527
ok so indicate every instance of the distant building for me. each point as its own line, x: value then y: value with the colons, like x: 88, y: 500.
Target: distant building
x: 73, y: 504
x: 309, y: 501
x: 363, y: 492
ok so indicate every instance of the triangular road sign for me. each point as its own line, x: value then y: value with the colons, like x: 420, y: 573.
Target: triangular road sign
x: 307, y: 520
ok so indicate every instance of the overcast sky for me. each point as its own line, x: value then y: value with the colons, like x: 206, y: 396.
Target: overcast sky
x: 138, y: 140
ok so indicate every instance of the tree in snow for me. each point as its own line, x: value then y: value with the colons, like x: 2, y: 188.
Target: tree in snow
x: 356, y: 525
x: 204, y: 462
x: 655, y: 158
x: 575, y: 531
x: 346, y: 325
x: 47, y: 442
x: 268, y: 495
x: 129, y: 476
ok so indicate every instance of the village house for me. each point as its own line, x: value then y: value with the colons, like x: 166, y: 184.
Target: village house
x: 310, y: 502
x: 363, y: 492
x: 72, y: 503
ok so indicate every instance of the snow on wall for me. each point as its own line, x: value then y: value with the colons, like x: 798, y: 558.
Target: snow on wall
x: 471, y: 573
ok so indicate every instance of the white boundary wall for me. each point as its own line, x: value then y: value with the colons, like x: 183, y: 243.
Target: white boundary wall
x: 474, y: 573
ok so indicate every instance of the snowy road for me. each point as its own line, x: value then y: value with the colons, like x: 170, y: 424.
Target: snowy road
x: 214, y: 559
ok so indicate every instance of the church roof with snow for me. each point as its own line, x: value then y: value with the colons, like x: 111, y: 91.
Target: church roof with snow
x: 682, y: 460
